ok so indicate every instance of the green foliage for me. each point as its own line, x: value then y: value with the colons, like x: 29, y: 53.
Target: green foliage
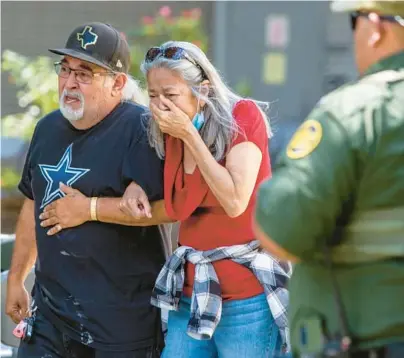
x: 37, y: 93
x: 9, y: 178
x: 37, y: 81
x: 243, y: 88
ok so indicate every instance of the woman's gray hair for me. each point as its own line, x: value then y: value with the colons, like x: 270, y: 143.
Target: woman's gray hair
x: 220, y: 126
x: 133, y: 92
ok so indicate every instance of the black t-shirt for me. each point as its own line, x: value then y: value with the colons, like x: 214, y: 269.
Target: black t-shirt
x: 94, y: 281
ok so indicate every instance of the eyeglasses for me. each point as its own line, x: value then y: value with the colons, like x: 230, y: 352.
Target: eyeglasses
x: 388, y: 18
x: 81, y: 76
x: 171, y: 53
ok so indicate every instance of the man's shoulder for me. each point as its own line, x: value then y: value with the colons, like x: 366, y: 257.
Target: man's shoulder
x: 361, y: 108
x: 135, y: 116
x: 47, y: 122
x: 370, y: 91
x: 134, y: 122
x: 56, y: 114
x: 132, y: 110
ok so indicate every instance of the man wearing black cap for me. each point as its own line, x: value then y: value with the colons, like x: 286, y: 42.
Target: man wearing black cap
x: 93, y: 282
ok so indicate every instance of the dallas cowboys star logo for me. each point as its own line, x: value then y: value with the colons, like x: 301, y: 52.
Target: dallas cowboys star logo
x: 61, y: 172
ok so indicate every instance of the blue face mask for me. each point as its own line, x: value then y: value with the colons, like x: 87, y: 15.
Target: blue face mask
x: 198, y: 120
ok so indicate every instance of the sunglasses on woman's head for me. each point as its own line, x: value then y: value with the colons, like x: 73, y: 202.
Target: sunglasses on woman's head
x: 171, y: 53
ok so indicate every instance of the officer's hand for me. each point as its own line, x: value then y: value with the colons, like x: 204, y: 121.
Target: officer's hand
x: 69, y: 211
x: 135, y: 202
x: 17, y: 301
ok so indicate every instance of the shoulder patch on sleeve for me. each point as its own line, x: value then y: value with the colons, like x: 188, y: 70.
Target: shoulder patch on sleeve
x: 305, y: 140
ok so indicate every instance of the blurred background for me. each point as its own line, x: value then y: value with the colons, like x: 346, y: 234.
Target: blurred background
x: 288, y: 53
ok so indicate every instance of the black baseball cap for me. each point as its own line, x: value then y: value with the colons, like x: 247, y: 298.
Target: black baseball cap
x: 100, y: 44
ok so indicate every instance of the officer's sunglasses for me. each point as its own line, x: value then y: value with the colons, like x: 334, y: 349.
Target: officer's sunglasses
x: 81, y: 76
x: 171, y: 53
x: 389, y: 18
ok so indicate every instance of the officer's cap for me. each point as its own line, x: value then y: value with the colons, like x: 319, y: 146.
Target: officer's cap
x: 383, y: 7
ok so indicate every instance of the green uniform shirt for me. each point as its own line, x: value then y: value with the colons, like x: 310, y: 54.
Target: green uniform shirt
x: 350, y: 150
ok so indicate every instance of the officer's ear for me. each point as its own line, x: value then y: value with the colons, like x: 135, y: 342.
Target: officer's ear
x: 118, y: 84
x: 376, y: 30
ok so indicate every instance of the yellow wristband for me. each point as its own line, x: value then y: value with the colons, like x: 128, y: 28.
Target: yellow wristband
x: 93, y: 209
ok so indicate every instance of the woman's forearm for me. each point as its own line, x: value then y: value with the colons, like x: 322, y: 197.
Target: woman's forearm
x: 218, y: 178
x: 108, y: 211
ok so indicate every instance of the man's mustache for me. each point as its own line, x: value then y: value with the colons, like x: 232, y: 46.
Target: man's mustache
x: 77, y: 95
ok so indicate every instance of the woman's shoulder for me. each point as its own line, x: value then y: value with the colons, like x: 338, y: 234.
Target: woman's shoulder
x: 247, y: 114
x: 245, y: 106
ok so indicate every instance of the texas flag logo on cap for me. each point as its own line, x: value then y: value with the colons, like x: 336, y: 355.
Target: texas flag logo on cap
x: 87, y: 37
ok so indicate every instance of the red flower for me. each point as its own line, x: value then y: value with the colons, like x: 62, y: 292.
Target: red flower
x: 165, y: 11
x: 147, y: 20
x: 123, y: 35
x: 187, y: 13
x: 196, y: 13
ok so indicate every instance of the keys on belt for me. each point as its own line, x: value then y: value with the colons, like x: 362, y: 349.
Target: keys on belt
x: 25, y: 328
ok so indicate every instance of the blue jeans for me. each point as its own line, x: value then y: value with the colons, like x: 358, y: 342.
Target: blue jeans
x: 246, y: 330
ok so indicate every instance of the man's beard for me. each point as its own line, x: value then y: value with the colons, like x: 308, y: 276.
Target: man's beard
x: 68, y: 112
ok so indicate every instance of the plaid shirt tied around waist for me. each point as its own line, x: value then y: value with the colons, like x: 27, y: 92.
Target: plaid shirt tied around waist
x: 206, y: 301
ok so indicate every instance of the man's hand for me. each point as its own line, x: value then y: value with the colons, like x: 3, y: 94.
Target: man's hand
x: 24, y: 256
x: 70, y: 211
x: 135, y: 202
x: 17, y: 301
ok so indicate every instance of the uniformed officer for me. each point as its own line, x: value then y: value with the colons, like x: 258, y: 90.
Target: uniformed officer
x: 335, y: 205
